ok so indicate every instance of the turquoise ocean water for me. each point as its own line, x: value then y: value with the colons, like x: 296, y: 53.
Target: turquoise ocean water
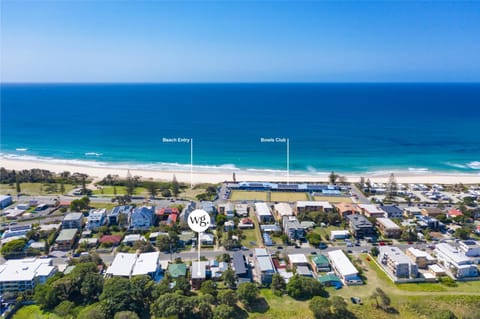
x: 348, y: 128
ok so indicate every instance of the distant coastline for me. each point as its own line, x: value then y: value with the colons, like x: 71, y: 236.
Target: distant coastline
x: 216, y: 175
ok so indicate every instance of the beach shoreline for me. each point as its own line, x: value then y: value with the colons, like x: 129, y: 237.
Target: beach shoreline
x: 197, y: 177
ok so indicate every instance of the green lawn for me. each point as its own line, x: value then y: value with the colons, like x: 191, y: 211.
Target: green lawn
x: 108, y: 206
x: 121, y: 190
x: 248, y: 195
x: 323, y: 231
x: 33, y: 312
x: 32, y: 189
x: 250, y: 236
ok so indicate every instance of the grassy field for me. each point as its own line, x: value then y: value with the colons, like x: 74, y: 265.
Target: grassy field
x: 33, y: 312
x: 250, y: 236
x: 121, y: 190
x: 287, y: 196
x: 333, y: 199
x: 323, y: 231
x: 247, y: 195
x: 31, y: 188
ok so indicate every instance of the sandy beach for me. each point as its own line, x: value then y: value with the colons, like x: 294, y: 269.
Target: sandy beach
x: 241, y: 175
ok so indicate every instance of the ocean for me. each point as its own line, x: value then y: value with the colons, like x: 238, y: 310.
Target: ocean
x: 346, y: 128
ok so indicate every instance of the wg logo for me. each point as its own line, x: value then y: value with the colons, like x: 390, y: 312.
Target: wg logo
x: 199, y: 220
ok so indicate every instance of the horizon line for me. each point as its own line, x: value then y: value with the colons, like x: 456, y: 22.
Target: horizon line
x: 239, y: 82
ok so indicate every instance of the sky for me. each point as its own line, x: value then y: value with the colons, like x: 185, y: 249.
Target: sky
x: 243, y: 41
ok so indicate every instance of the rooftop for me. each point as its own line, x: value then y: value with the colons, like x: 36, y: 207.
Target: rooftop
x: 73, y: 216
x: 67, y: 234
x: 311, y: 203
x: 388, y: 223
x: 127, y: 265
x: 452, y: 253
x: 25, y: 269
x: 342, y: 263
x: 284, y: 209
x: 262, y: 209
x: 177, y: 270
x: 298, y: 259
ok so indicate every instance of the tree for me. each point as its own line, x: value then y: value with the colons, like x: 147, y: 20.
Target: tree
x: 209, y: 287
x: 141, y: 289
x: 95, y: 311
x: 84, y: 186
x: 374, y: 251
x: 339, y: 307
x: 247, y: 293
x: 204, y: 310
x: 62, y: 187
x: 80, y: 204
x: 172, y: 304
x: 152, y: 189
x: 332, y: 178
x: 130, y: 185
x: 116, y: 296
x: 182, y: 285
x: 462, y: 233
x: 379, y: 294
x: 175, y: 186
x: 14, y: 248
x: 320, y: 308
x: 126, y: 315
x: 224, y: 312
x: 228, y: 277
x: 278, y: 284
x: 227, y: 297
x: 314, y: 238
x: 391, y: 187
x: 302, y: 288
x: 17, y: 184
x: 64, y: 309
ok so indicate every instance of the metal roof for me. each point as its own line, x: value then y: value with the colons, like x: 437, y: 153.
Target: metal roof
x: 341, y: 262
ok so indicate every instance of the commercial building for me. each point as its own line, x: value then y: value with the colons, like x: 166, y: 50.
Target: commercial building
x: 344, y: 268
x: 72, y: 220
x: 263, y: 213
x: 360, y: 226
x: 292, y: 228
x: 127, y: 265
x: 388, y: 228
x: 66, y: 239
x: 372, y: 211
x: 396, y: 262
x: 241, y: 210
x: 17, y: 275
x: 420, y: 257
x: 471, y: 248
x: 456, y: 261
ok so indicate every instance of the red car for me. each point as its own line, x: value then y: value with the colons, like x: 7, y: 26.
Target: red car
x: 381, y: 243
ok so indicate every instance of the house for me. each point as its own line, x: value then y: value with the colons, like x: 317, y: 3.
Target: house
x: 345, y: 209
x: 371, y: 211
x: 72, y: 220
x: 264, y: 268
x: 436, y: 270
x: 296, y: 260
x: 267, y: 239
x: 16, y: 231
x: 18, y: 275
x: 241, y: 210
x: 306, y: 224
x: 455, y: 261
x: 263, y: 213
x: 246, y: 223
x: 142, y: 217
x: 5, y: 201
x: 388, y: 228
x: 339, y: 234
x: 239, y: 264
x: 177, y: 270
x: 420, y: 257
x: 186, y: 211
x: 128, y: 265
x: 304, y: 271
x: 90, y: 242
x: 208, y: 206
x: 452, y: 213
x: 96, y: 218
x: 198, y: 273
x: 281, y: 210
x: 66, y: 239
x: 392, y: 211
x: 432, y: 211
x: 360, y: 226
x: 227, y: 210
x: 165, y: 215
x: 270, y: 228
x: 132, y: 238
x: 320, y: 263
x: 111, y: 239
x: 396, y: 262
x: 186, y: 238
x: 114, y: 214
x: 292, y: 228
x: 229, y: 225
x: 344, y: 268
x: 314, y: 206
x: 330, y: 281
x: 207, y: 239
x: 411, y: 211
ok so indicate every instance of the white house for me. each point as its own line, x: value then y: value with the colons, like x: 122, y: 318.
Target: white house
x: 96, y: 218
x: 344, y: 268
x: 18, y: 275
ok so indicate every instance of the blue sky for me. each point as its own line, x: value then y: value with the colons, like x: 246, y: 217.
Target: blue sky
x: 158, y: 41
